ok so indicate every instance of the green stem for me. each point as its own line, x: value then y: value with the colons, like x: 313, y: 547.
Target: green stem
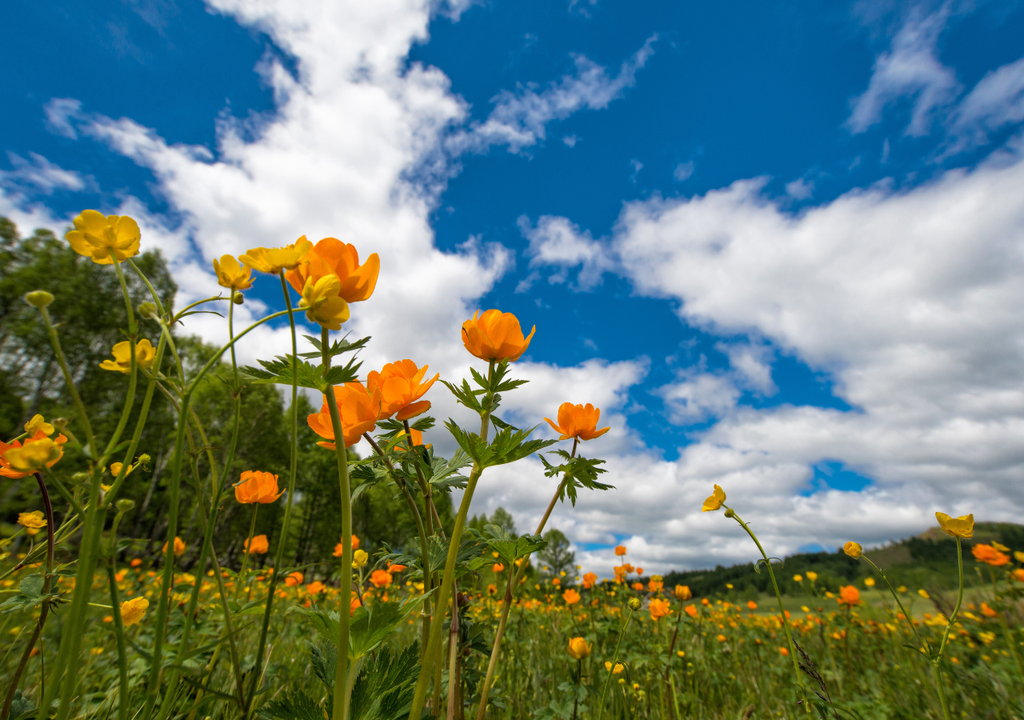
x: 434, y: 643
x: 910, y: 621
x: 245, y: 555
x: 615, y: 659
x: 122, y: 659
x: 937, y: 660
x: 133, y: 372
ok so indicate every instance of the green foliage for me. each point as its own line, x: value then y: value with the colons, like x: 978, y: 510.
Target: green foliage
x: 577, y: 472
x: 557, y: 556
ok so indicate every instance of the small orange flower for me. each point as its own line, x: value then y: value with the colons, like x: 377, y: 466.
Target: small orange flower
x: 682, y: 592
x: 556, y: 582
x: 401, y: 386
x: 1018, y: 574
x: 639, y: 570
x: 849, y: 595
x: 339, y: 550
x: 136, y: 562
x: 495, y: 336
x: 705, y: 602
x: 578, y: 648
x: 620, y: 550
x: 354, y: 604
x: 989, y: 555
x: 358, y: 408
x: 294, y: 578
x: 751, y: 605
x: 315, y: 588
x: 497, y: 567
x: 395, y: 568
x: 590, y: 578
x: 578, y: 421
x: 330, y: 256
x: 987, y: 611
x: 355, y: 543
x: 179, y: 546
x: 721, y: 638
x: 656, y: 584
x: 18, y: 461
x: 784, y: 652
x: 691, y: 610
x: 659, y: 608
x: 638, y: 586
x: 258, y: 546
x: 257, y: 487
x: 492, y: 589
x: 571, y: 597
x: 381, y: 578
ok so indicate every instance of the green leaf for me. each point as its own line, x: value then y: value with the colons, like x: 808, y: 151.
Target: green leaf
x: 337, y: 347
x: 32, y: 586
x: 324, y: 661
x: 295, y: 705
x: 511, y: 548
x: 324, y: 623
x: 385, y: 685
x: 465, y: 395
x: 370, y: 627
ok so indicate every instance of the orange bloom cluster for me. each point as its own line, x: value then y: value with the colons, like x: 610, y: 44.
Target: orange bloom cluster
x: 588, y: 580
x: 989, y: 555
x: 381, y: 578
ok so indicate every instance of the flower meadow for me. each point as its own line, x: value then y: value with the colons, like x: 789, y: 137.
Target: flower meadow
x: 463, y: 619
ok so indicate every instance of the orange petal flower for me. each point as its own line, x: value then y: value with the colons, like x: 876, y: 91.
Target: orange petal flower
x: 330, y: 256
x: 659, y: 608
x: 293, y: 579
x: 588, y: 580
x: 179, y: 546
x: 18, y: 460
x: 571, y: 597
x: 258, y: 546
x: 849, y: 595
x: 381, y: 578
x: 257, y: 487
x: 989, y: 555
x: 359, y: 410
x: 495, y: 336
x: 401, y: 385
x: 578, y: 421
x: 682, y: 592
x: 620, y: 549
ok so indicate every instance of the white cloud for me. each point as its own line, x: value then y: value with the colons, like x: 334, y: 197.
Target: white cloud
x: 995, y: 102
x: 800, y: 189
x: 910, y: 69
x: 39, y: 175
x: 519, y: 119
x: 698, y: 396
x: 570, y: 140
x: 556, y: 241
x: 683, y: 171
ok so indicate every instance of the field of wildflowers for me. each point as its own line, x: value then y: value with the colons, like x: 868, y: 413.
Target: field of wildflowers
x: 456, y: 622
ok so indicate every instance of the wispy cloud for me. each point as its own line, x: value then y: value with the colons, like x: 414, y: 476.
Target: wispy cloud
x: 38, y: 175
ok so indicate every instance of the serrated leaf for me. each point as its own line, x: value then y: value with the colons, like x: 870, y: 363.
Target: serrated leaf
x: 295, y: 705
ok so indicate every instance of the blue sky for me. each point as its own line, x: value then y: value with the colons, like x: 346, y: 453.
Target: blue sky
x: 778, y: 243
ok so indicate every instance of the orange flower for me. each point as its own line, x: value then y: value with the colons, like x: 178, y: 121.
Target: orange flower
x: 638, y: 586
x: 849, y: 595
x: 620, y: 549
x: 659, y: 608
x: 784, y: 651
x: 380, y: 578
x: 656, y: 584
x: 989, y: 555
x: 987, y: 611
x: 639, y: 570
x: 497, y: 567
x: 556, y: 582
x: 294, y: 578
x: 395, y: 568
x: 353, y: 604
x: 339, y: 550
x: 258, y: 546
x: 691, y: 610
x: 590, y: 578
x: 355, y: 543
x: 578, y: 648
x: 682, y: 592
x: 37, y: 451
x: 578, y: 421
x: 358, y: 408
x: 136, y: 562
x: 705, y: 602
x: 752, y: 605
x: 1018, y: 574
x: 330, y: 256
x: 401, y: 385
x: 257, y: 487
x: 179, y: 546
x: 571, y: 597
x: 495, y: 336
x: 315, y: 588
x: 492, y: 589
x: 721, y: 638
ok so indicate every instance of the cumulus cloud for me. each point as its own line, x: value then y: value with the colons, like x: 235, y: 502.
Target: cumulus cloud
x: 519, y: 119
x: 910, y: 69
x: 554, y: 241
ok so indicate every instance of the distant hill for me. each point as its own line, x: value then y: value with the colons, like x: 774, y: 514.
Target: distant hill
x: 925, y: 561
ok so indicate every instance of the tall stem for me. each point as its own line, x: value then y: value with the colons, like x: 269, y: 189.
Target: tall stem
x: 615, y: 659
x: 341, y: 687
x: 937, y: 660
x: 122, y: 658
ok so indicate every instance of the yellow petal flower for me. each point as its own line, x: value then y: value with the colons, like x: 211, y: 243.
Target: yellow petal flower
x: 145, y: 354
x: 853, y: 549
x: 133, y: 610
x: 322, y: 303
x: 714, y: 502
x: 231, y: 274
x: 962, y: 527
x: 37, y: 424
x: 34, y: 520
x: 578, y: 648
x: 274, y: 260
x: 105, y: 239
x: 359, y: 559
x: 32, y: 456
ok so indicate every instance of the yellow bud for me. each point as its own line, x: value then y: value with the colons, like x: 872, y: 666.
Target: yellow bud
x: 634, y: 604
x: 39, y: 298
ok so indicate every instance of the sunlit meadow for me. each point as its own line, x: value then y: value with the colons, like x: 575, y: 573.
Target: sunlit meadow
x: 466, y: 618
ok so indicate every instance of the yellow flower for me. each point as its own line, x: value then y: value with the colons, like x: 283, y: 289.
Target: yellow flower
x: 999, y: 546
x: 37, y: 424
x: 923, y: 593
x: 613, y: 670
x: 179, y: 546
x: 133, y: 610
x: 853, y: 549
x: 274, y: 260
x: 798, y: 578
x: 962, y: 527
x: 322, y: 303
x: 33, y: 521
x: 578, y: 648
x: 104, y: 238
x: 811, y: 575
x: 714, y: 502
x: 1018, y: 556
x: 115, y: 469
x: 870, y: 582
x: 359, y: 559
x: 145, y: 354
x: 31, y: 456
x: 231, y: 274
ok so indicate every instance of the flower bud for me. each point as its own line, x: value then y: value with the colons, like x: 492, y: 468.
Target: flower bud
x: 730, y: 513
x: 147, y: 310
x: 853, y: 549
x: 144, y: 459
x: 82, y: 477
x: 125, y: 505
x: 238, y: 298
x: 635, y: 604
x: 38, y: 298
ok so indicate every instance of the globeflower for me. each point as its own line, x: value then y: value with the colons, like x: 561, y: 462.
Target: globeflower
x: 578, y: 648
x: 257, y: 487
x: 258, y: 546
x: 359, y: 559
x: 179, y: 546
x: 811, y: 575
x: 691, y: 610
x: 322, y: 304
x: 232, y: 274
x: 614, y: 670
x: 571, y: 597
x: 105, y: 239
x: 620, y: 550
x: 294, y: 578
x: 498, y: 567
x: 656, y: 583
x: 849, y: 595
x: 381, y: 578
x: 145, y: 355
x: 588, y: 580
x: 989, y: 555
x: 682, y: 592
x: 962, y: 527
x: 401, y: 386
x: 274, y: 260
x: 714, y: 501
x: 330, y: 256
x: 853, y: 549
x: 19, y: 460
x: 495, y: 336
x: 358, y: 409
x: 659, y: 608
x: 133, y: 610
x: 38, y: 424
x: 32, y: 521
x: 577, y: 422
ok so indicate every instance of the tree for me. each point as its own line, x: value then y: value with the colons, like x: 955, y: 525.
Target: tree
x: 557, y: 557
